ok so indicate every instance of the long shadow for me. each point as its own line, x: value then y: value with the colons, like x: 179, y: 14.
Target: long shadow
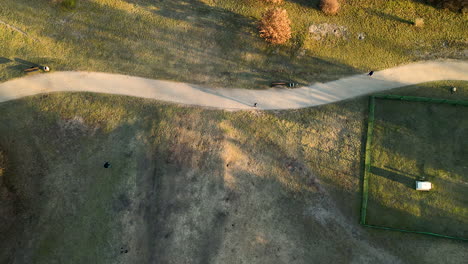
x: 169, y: 178
x: 240, y: 30
x: 388, y: 16
x: 216, y: 47
x: 26, y: 63
x: 414, y: 176
x: 4, y: 60
x: 453, y: 5
x: 307, y: 3
x: 22, y: 64
x: 393, y: 176
x: 432, y: 135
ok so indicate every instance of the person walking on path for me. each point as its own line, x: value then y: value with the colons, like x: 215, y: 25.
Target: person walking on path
x: 37, y: 68
x: 255, y: 105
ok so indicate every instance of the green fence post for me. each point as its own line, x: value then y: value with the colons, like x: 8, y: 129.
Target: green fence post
x: 367, y: 162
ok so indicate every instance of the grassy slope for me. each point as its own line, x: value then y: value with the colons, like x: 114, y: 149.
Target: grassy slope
x: 216, y: 42
x: 194, y: 185
x: 414, y: 140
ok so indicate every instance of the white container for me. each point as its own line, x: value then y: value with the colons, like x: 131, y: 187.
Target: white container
x: 423, y: 186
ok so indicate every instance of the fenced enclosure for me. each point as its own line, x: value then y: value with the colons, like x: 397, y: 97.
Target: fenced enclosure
x: 416, y: 138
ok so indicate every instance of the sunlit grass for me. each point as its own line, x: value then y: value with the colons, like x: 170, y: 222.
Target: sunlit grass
x: 216, y: 43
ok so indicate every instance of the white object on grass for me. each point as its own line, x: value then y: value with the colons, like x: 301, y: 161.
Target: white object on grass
x: 423, y: 186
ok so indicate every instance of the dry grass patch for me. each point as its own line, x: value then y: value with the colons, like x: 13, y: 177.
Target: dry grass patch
x: 195, y: 184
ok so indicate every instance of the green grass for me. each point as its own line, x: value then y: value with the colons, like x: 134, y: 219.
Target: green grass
x: 415, y: 140
x: 193, y: 184
x: 216, y: 43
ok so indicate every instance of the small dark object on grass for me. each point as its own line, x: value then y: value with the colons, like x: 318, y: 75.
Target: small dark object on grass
x: 107, y: 165
x: 370, y: 73
x: 453, y: 90
x: 255, y: 105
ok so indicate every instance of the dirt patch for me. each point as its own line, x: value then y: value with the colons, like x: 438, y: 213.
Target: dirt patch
x: 75, y: 126
x: 321, y: 31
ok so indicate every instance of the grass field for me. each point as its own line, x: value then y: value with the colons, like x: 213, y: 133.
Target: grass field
x: 415, y: 140
x: 189, y: 185
x: 216, y: 43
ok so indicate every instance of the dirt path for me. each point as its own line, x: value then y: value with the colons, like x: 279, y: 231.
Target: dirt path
x: 235, y: 99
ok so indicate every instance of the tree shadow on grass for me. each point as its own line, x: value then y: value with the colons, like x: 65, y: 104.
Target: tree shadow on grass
x: 388, y: 16
x: 307, y: 3
x: 188, y: 41
x: 452, y: 5
x: 232, y: 31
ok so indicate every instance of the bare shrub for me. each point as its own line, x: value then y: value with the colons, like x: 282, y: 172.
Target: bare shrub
x: 419, y: 22
x: 329, y: 7
x: 275, y: 26
x: 273, y: 1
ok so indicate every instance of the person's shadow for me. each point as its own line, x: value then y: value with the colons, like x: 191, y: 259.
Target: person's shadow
x: 4, y: 60
x: 26, y: 63
x: 22, y: 65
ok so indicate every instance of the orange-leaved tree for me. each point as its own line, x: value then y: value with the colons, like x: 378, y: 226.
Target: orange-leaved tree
x: 275, y: 26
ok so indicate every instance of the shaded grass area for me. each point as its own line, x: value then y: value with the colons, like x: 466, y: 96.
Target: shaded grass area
x: 216, y: 43
x: 415, y: 141
x: 193, y: 185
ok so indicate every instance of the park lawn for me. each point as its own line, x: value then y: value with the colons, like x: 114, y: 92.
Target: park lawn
x: 416, y: 140
x: 192, y: 184
x: 216, y: 43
